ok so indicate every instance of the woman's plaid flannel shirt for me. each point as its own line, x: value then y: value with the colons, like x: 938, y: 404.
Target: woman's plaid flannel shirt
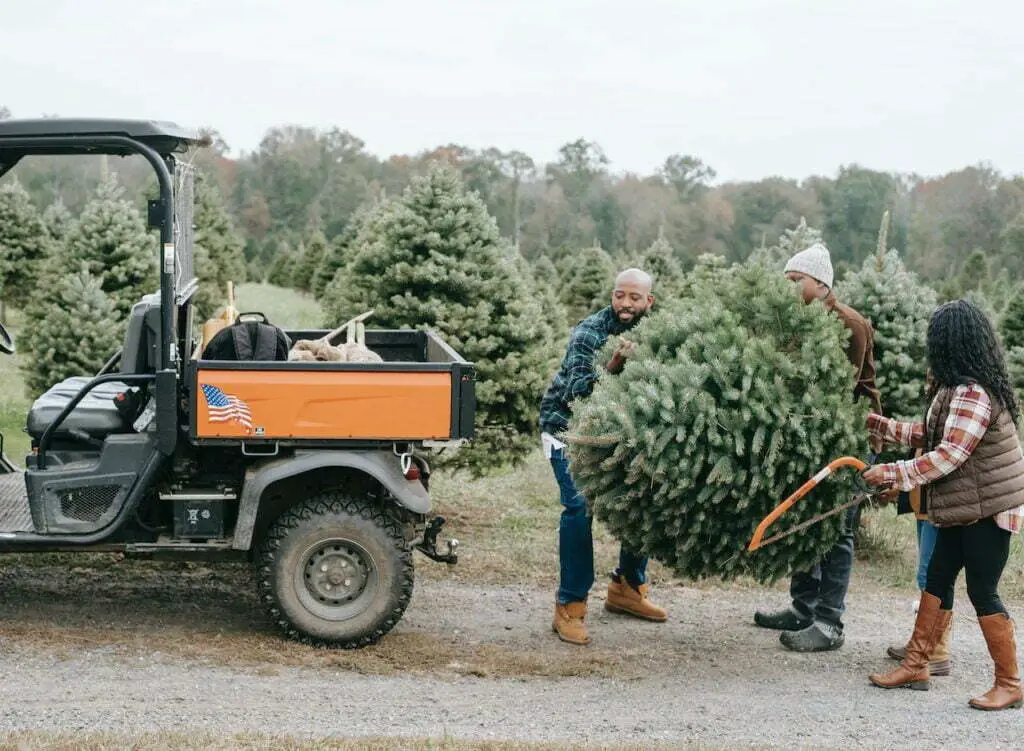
x: 969, y: 414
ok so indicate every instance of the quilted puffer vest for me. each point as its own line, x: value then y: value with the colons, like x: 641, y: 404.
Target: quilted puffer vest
x: 990, y: 481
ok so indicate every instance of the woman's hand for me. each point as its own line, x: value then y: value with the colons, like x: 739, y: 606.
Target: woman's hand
x: 875, y: 475
x: 885, y: 497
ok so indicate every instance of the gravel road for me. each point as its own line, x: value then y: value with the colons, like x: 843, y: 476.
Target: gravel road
x: 707, y: 675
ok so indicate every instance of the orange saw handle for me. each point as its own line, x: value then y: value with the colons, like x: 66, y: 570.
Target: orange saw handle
x: 807, y: 487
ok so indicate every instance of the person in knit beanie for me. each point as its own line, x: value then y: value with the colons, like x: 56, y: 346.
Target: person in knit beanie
x: 813, y: 622
x: 812, y: 269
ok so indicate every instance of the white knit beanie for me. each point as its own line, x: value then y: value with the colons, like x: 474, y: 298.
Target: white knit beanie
x: 815, y: 262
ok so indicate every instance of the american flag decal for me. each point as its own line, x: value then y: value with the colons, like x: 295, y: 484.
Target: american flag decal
x: 226, y: 408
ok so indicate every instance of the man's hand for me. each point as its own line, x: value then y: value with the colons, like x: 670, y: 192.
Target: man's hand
x: 623, y: 351
x: 875, y: 475
x: 877, y: 444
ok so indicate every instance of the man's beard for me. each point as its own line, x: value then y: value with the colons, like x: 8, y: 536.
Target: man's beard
x: 637, y: 317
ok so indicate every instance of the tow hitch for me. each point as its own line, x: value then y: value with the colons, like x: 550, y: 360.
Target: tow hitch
x: 429, y: 544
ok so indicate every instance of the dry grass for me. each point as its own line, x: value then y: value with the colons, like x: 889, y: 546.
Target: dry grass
x: 887, y: 548
x: 887, y: 554
x: 35, y: 741
x: 508, y: 527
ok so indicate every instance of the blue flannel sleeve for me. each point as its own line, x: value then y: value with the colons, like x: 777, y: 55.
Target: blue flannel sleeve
x: 582, y: 374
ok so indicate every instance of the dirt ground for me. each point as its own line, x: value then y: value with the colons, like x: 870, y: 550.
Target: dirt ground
x: 109, y: 646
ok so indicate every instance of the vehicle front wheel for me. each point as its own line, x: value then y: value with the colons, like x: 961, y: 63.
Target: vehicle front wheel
x: 335, y: 571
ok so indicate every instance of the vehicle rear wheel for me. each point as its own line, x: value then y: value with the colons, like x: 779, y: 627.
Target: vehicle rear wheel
x: 335, y: 571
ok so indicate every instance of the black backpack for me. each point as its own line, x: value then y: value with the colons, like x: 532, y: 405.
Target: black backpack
x: 249, y: 340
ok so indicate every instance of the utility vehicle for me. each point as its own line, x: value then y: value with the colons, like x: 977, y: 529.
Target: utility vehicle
x: 316, y: 472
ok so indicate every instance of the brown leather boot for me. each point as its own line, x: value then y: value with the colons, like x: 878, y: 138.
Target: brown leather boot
x: 1002, y: 646
x: 623, y: 598
x: 939, y: 663
x: 928, y: 628
x: 568, y: 622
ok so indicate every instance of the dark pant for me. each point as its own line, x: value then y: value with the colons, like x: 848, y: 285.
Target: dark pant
x: 576, y: 541
x: 981, y: 548
x: 821, y: 592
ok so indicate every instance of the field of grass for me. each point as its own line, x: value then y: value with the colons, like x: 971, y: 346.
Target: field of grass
x: 282, y: 307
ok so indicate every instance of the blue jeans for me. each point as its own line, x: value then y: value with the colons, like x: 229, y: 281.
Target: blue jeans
x: 576, y: 541
x: 927, y: 534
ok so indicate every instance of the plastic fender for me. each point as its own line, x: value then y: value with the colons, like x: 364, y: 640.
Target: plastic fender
x: 383, y: 466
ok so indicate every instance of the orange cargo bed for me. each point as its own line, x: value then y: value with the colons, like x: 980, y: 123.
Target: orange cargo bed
x: 422, y: 391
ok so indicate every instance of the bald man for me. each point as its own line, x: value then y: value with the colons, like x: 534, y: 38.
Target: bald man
x: 627, y: 591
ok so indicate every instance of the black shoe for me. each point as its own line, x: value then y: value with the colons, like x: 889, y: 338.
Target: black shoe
x: 786, y: 619
x: 818, y: 637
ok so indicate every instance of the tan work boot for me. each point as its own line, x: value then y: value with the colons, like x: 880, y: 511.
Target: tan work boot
x: 623, y: 598
x: 568, y: 622
x: 939, y: 663
x: 1002, y: 646
x: 928, y: 628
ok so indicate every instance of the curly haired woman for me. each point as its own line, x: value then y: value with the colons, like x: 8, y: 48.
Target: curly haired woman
x: 972, y: 472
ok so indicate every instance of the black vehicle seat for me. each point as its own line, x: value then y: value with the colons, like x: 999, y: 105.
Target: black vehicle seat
x: 142, y: 337
x: 97, y: 413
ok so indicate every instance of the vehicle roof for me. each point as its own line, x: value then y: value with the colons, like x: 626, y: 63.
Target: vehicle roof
x: 163, y: 137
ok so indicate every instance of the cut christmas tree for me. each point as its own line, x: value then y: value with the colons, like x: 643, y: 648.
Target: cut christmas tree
x: 737, y: 396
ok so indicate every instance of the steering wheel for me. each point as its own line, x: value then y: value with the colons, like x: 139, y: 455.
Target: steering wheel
x: 6, y: 341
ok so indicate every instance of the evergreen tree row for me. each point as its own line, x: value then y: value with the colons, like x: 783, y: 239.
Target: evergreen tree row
x: 77, y: 277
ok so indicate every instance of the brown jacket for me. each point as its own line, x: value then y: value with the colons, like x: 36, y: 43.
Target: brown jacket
x: 860, y: 350
x: 990, y: 481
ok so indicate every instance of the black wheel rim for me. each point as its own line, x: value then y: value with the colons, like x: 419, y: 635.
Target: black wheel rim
x: 337, y: 579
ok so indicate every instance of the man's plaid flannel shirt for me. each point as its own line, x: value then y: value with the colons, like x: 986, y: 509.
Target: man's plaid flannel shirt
x: 575, y: 378
x: 970, y: 411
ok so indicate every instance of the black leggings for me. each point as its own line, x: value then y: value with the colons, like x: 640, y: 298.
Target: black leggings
x: 982, y: 548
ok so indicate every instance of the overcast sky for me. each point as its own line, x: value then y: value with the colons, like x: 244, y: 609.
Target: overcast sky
x: 753, y: 87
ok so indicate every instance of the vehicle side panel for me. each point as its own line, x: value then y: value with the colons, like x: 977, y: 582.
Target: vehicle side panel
x: 323, y: 404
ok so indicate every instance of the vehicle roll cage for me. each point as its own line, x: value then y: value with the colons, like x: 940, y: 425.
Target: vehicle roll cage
x: 157, y: 143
